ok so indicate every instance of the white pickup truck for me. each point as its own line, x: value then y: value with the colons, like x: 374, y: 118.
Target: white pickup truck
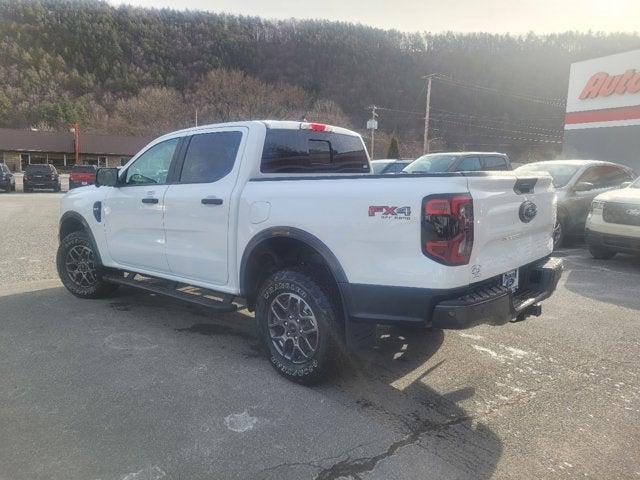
x: 286, y: 219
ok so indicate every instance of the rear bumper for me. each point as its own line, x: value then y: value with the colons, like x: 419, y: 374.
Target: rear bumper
x: 616, y: 242
x: 39, y: 183
x: 74, y: 184
x: 497, y: 304
x: 487, y: 302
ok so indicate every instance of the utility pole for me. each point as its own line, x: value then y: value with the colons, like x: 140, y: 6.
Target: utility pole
x: 372, y: 124
x: 76, y: 144
x: 425, y: 146
x: 196, y: 116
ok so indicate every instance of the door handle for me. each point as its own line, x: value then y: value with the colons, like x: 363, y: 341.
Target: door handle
x: 149, y: 200
x: 211, y: 201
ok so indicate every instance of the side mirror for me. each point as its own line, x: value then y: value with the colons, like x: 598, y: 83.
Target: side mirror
x: 107, y: 177
x: 583, y: 187
x: 625, y: 184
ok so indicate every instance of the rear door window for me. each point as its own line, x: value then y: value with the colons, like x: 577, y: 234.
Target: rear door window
x: 469, y: 164
x: 494, y: 162
x: 210, y: 156
x: 302, y: 151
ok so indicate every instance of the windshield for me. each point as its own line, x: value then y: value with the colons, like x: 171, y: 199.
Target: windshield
x: 560, y: 172
x: 378, y: 167
x: 38, y: 168
x: 433, y: 163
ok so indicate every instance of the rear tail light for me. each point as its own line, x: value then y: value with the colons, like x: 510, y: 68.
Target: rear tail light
x: 447, y: 228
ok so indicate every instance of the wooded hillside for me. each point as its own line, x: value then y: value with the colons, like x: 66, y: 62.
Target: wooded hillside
x: 130, y: 70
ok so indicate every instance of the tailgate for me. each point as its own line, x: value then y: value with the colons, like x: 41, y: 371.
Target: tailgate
x: 505, y: 237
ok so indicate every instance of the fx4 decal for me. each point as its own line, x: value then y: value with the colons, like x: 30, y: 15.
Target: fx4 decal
x: 385, y: 211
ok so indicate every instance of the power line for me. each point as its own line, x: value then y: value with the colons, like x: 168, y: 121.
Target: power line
x: 508, y: 137
x: 554, y: 102
x: 476, y: 117
x: 489, y: 127
x: 501, y: 121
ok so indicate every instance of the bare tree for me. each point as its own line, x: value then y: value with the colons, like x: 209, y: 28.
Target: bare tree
x: 155, y: 110
x: 328, y: 111
x: 227, y: 95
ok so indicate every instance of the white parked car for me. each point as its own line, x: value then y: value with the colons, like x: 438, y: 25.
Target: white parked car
x: 287, y: 219
x: 613, y: 224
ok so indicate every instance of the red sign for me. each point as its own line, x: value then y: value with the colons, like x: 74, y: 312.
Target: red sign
x: 603, y: 85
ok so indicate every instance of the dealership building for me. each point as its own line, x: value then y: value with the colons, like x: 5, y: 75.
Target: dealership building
x: 19, y: 148
x: 602, y: 120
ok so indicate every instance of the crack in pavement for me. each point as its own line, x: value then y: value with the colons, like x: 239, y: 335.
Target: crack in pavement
x: 352, y: 468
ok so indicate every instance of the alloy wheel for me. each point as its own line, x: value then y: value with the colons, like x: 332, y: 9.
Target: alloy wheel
x: 81, y: 266
x: 293, y: 328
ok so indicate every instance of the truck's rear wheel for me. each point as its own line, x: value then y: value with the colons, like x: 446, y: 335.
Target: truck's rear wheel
x: 298, y: 324
x: 79, y: 268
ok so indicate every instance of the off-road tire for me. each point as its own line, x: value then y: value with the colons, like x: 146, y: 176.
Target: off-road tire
x: 71, y: 244
x: 602, y: 253
x: 326, y: 311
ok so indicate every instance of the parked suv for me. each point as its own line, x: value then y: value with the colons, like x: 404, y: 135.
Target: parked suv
x: 578, y: 182
x: 7, y: 180
x: 44, y: 176
x: 459, y: 162
x: 613, y: 224
x: 82, y: 175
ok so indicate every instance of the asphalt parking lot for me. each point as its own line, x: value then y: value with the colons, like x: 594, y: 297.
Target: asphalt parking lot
x: 139, y: 387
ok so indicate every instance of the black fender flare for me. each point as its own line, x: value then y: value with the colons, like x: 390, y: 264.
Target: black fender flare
x: 76, y: 217
x: 295, y: 233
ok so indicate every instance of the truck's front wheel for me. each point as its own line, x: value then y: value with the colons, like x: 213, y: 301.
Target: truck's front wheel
x: 298, y: 324
x: 79, y: 268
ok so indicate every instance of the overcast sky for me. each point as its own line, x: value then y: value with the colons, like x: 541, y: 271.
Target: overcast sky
x: 515, y: 16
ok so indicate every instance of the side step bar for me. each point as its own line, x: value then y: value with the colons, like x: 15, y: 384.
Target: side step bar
x: 220, y: 302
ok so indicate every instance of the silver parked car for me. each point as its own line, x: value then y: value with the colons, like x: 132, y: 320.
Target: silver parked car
x: 388, y: 165
x: 577, y: 183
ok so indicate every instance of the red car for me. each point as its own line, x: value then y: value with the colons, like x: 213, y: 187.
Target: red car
x: 82, y: 175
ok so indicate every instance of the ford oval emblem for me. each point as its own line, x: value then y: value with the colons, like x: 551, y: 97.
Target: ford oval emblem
x: 528, y: 211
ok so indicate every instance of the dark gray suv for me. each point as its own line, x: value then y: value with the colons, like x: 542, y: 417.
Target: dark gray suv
x: 577, y: 183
